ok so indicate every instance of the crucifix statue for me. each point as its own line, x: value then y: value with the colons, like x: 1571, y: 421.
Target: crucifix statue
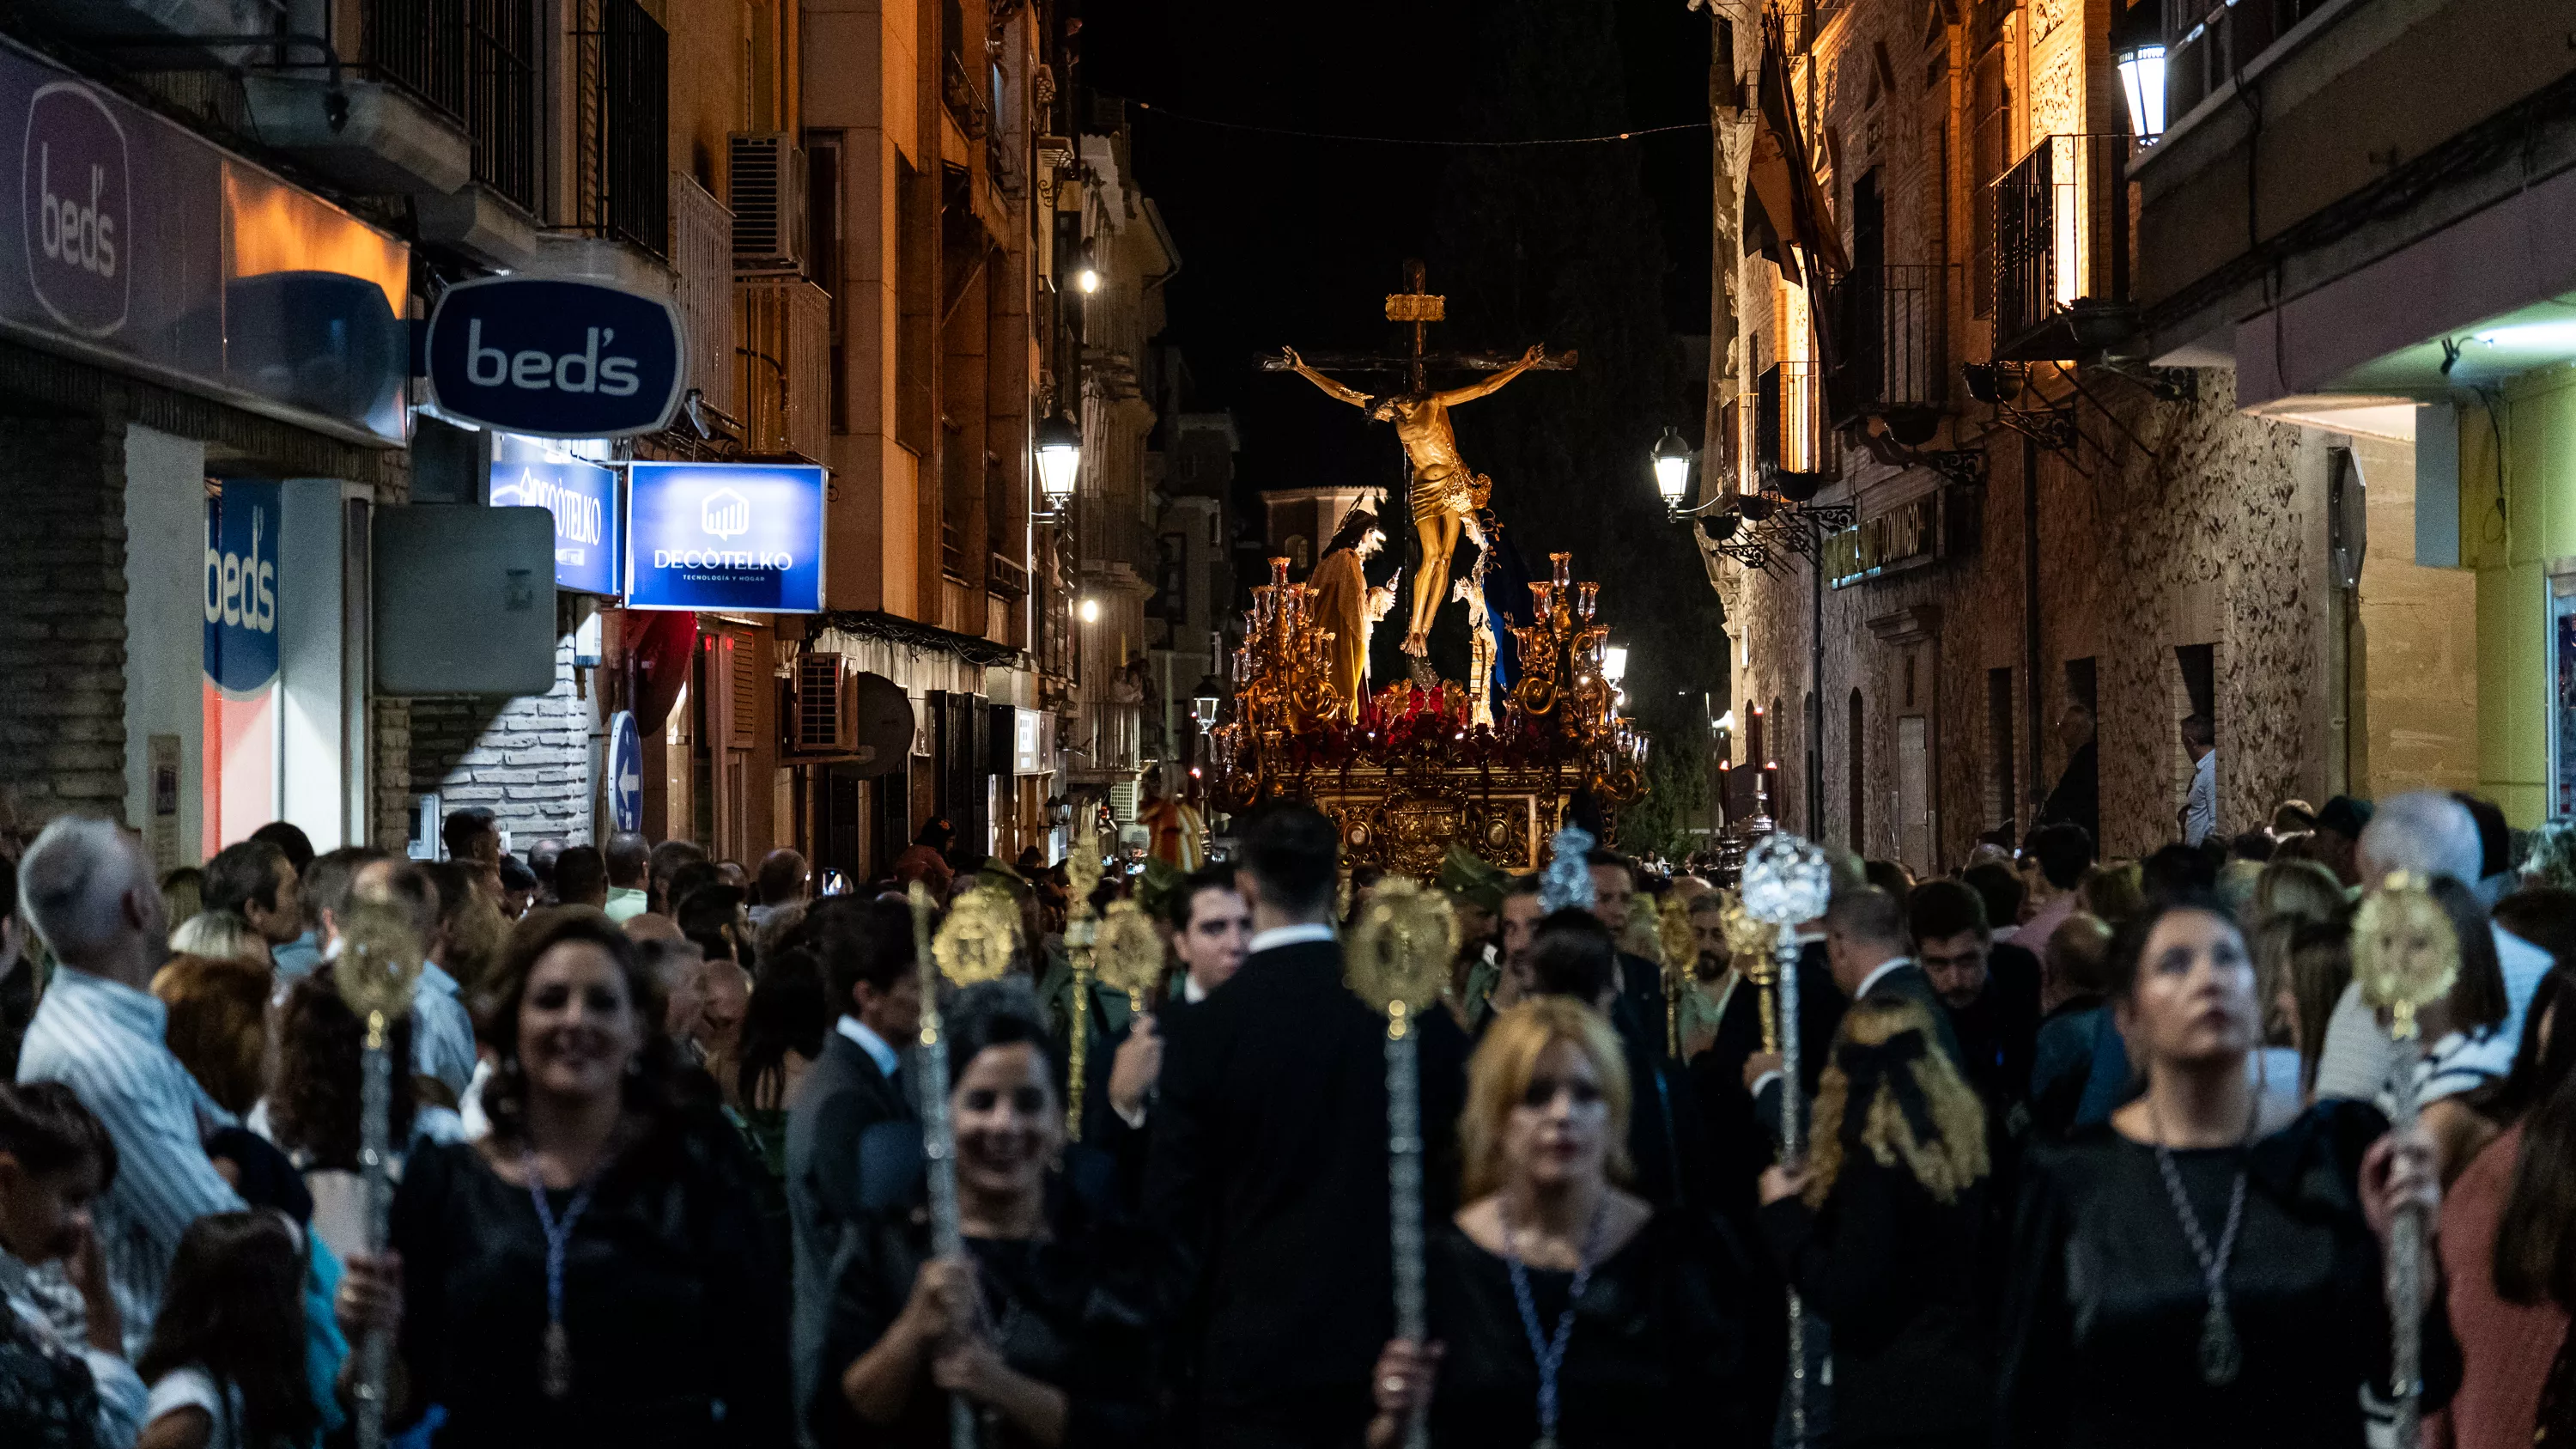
x: 1445, y: 494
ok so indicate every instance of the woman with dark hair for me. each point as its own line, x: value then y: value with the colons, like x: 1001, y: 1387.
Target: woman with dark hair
x: 312, y: 1112
x: 1040, y: 1325
x: 1566, y: 1309
x: 2508, y: 1246
x: 2184, y: 1278
x: 55, y: 1160
x: 227, y: 1356
x: 927, y: 859
x: 596, y: 1270
x: 782, y: 1033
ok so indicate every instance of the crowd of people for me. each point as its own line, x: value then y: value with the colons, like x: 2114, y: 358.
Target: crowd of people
x: 2098, y: 1153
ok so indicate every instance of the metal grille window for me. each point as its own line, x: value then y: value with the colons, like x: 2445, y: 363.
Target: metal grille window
x: 474, y: 60
x: 624, y: 112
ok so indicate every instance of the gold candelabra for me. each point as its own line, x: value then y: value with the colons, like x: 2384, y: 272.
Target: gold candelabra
x: 1282, y: 675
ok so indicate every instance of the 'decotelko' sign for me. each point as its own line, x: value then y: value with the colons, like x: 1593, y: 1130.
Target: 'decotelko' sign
x: 553, y: 358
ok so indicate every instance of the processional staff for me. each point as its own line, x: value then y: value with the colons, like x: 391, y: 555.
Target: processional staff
x: 1787, y: 880
x: 1398, y: 962
x: 1081, y: 928
x: 974, y: 944
x: 2405, y: 955
x: 377, y: 971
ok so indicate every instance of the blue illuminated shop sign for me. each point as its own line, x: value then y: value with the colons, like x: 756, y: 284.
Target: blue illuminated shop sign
x: 728, y: 537
x: 241, y: 587
x: 582, y: 497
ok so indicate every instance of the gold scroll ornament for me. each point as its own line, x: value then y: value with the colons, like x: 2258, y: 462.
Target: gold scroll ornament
x: 1400, y: 950
x: 2405, y: 953
x: 980, y: 938
x: 1128, y: 954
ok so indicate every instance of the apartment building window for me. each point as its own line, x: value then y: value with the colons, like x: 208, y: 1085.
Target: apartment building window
x: 1990, y: 120
x: 624, y: 170
x: 1854, y: 726
x: 2003, y: 811
x: 2080, y: 686
x: 823, y: 256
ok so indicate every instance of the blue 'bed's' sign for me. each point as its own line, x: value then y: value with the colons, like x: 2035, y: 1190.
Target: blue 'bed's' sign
x: 554, y: 358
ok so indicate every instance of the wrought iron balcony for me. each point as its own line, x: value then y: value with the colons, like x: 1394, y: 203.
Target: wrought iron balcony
x: 474, y: 62
x: 2062, y: 250
x: 623, y: 174
x: 968, y: 105
x: 1892, y: 355
x: 1793, y: 445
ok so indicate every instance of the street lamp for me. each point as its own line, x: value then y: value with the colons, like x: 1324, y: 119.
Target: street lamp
x: 1204, y: 706
x: 1086, y: 272
x: 2138, y: 47
x: 1089, y: 611
x: 1614, y: 664
x: 1672, y: 459
x: 1059, y: 460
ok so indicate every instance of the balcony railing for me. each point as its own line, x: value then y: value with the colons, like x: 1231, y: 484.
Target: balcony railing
x: 474, y: 60
x: 968, y: 105
x: 702, y: 255
x: 2062, y: 250
x: 784, y: 365
x: 625, y: 108
x: 1790, y: 434
x: 1893, y: 356
x: 2214, y: 40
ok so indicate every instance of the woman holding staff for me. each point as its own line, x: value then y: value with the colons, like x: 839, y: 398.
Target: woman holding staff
x: 1565, y: 1310
x: 1038, y: 1322
x: 2184, y: 1278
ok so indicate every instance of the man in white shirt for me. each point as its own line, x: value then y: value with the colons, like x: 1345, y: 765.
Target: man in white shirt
x: 2428, y: 833
x: 2200, y: 804
x: 89, y: 890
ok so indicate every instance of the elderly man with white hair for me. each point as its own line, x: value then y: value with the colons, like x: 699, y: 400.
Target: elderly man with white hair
x: 89, y: 891
x: 2428, y: 833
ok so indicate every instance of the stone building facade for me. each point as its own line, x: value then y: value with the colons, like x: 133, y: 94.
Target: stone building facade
x: 2092, y: 531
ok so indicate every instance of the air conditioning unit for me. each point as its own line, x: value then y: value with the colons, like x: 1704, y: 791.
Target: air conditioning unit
x: 768, y: 201
x: 819, y: 722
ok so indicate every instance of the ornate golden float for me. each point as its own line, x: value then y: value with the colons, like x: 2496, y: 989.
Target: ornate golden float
x: 1416, y: 770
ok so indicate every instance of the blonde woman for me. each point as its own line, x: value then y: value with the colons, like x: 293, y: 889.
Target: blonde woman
x: 1566, y: 1310
x: 1879, y: 1231
x: 220, y: 936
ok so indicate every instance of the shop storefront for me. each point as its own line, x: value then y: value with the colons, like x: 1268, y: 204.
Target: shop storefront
x: 203, y: 379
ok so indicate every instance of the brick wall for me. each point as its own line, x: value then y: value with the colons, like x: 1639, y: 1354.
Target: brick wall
x: 62, y: 618
x: 526, y: 759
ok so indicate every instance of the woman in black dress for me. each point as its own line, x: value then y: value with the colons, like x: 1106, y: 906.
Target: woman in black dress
x: 1880, y: 1232
x: 597, y: 1270
x: 2181, y: 1280
x: 1040, y: 1326
x: 1564, y: 1309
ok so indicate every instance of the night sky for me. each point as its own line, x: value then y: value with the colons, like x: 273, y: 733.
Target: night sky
x: 1288, y: 240
x: 1296, y: 240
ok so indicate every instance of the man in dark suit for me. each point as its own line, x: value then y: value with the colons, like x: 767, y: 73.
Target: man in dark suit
x: 1268, y: 1169
x: 1641, y: 982
x: 1867, y: 951
x: 1990, y: 988
x: 857, y: 1083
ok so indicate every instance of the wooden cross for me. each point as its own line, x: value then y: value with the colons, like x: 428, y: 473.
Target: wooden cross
x: 1418, y: 307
